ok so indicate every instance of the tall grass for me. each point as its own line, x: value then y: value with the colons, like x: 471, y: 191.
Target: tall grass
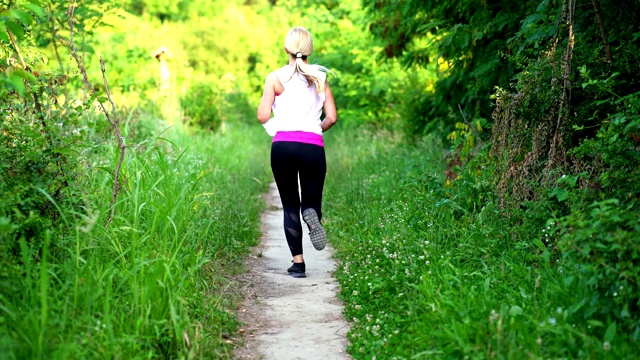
x: 153, y: 283
x: 427, y: 274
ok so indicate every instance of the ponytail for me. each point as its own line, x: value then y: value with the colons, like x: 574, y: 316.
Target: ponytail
x: 310, y: 72
x: 299, y: 44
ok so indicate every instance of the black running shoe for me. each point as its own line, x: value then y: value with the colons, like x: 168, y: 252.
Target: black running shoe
x: 297, y: 270
x: 316, y: 231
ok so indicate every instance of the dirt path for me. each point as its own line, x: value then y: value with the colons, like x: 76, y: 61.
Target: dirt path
x: 285, y: 317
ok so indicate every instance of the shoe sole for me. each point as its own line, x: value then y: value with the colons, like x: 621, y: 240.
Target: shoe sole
x: 298, y: 275
x: 316, y: 230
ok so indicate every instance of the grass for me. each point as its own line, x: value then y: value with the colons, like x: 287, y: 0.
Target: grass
x: 153, y: 283
x: 427, y: 270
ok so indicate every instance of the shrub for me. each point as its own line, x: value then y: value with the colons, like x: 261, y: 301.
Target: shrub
x: 201, y: 107
x: 601, y: 244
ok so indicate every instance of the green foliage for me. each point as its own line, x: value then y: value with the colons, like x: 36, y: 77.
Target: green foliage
x: 149, y: 279
x: 202, y: 52
x: 590, y: 113
x: 431, y: 270
x: 202, y: 107
x: 445, y: 260
x: 38, y: 139
x: 162, y: 9
x: 599, y: 235
x: 153, y: 281
x: 17, y: 19
x: 367, y: 91
x: 537, y: 29
x: 181, y: 10
x: 466, y: 39
x: 617, y: 139
x: 602, y: 244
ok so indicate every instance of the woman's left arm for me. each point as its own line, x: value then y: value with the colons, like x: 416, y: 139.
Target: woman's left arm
x: 268, y: 96
x: 330, y: 112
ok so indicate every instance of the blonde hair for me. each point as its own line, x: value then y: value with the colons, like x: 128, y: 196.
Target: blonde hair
x: 299, y: 44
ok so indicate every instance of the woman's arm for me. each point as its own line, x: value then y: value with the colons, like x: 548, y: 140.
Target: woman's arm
x: 268, y: 96
x: 330, y: 112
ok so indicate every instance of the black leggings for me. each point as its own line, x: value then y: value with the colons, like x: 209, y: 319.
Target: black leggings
x: 288, y: 161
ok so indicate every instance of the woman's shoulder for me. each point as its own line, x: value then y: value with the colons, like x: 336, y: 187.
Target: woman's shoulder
x: 277, y: 74
x: 285, y: 70
x: 283, y: 74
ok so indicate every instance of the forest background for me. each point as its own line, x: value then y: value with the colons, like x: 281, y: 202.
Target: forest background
x: 513, y: 126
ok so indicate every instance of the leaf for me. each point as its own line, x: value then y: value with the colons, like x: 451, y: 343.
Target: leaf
x: 17, y: 82
x: 562, y: 194
x: 611, y: 332
x: 35, y: 8
x: 546, y: 256
x: 487, y: 283
x: 595, y: 323
x: 515, y: 310
x: 568, y: 280
x: 574, y: 309
x: 540, y: 244
x: 23, y: 16
x: 15, y: 28
x: 4, y: 37
x: 625, y: 311
x: 25, y: 75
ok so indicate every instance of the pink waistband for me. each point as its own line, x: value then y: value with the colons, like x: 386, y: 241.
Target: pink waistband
x: 299, y: 136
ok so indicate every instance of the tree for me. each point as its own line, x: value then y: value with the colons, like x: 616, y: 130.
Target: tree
x: 468, y: 39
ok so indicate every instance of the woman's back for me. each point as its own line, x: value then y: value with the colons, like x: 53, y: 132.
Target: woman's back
x: 299, y: 106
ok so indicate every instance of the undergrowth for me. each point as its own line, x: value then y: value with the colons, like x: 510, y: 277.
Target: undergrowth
x: 154, y: 282
x: 431, y: 268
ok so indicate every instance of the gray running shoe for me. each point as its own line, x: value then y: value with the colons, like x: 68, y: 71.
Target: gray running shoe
x: 316, y: 231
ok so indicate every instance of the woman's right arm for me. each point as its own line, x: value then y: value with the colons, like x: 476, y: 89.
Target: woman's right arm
x: 330, y: 112
x: 268, y: 96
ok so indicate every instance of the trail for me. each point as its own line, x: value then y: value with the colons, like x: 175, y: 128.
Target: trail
x: 287, y: 318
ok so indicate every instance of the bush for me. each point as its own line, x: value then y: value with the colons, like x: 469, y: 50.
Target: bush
x: 602, y: 245
x: 201, y: 107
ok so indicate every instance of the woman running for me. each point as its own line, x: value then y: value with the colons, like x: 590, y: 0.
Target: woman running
x: 297, y: 94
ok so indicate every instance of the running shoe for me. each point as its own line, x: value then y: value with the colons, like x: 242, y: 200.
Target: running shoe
x: 316, y: 231
x: 297, y: 270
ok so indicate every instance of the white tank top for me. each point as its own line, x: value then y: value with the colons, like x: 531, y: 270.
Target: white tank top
x: 299, y: 107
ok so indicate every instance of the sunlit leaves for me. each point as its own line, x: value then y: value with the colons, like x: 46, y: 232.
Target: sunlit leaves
x: 469, y: 35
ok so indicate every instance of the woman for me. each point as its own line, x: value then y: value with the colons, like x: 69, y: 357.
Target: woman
x: 297, y: 94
